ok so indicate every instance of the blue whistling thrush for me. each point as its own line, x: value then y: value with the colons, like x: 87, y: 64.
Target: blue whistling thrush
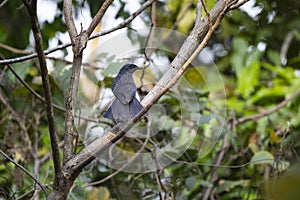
x: 126, y: 105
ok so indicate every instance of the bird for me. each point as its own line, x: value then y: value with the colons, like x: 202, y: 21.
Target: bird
x: 126, y: 105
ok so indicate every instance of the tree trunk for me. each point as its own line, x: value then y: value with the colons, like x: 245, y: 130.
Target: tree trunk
x: 61, y: 192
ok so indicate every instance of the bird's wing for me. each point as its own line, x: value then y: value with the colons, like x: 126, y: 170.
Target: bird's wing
x: 119, y: 111
x: 135, y: 107
x: 124, y: 89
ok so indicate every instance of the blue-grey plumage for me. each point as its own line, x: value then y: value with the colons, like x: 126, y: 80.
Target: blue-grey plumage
x: 126, y: 105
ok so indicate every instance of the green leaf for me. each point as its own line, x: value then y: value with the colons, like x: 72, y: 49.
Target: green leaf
x: 190, y: 182
x: 286, y: 73
x: 274, y: 57
x: 248, y: 79
x: 206, y: 147
x: 235, y: 104
x: 240, y: 48
x: 253, y: 56
x: 262, y: 157
x: 268, y: 93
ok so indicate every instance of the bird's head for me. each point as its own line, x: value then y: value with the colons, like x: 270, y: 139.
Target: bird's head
x: 128, y: 68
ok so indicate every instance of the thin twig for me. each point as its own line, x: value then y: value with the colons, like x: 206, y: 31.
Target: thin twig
x: 96, y: 20
x: 238, y: 4
x: 34, y: 152
x: 24, y: 170
x: 129, y: 188
x: 3, y: 3
x: 14, y: 50
x: 161, y: 187
x: 267, y: 112
x: 63, y: 46
x: 92, y: 65
x: 151, y: 42
x: 207, y: 13
x: 126, y: 21
x: 148, y: 51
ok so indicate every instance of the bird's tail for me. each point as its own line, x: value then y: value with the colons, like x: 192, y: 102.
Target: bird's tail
x: 122, y: 112
x: 108, y: 114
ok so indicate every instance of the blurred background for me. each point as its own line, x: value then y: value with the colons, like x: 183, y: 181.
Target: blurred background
x: 251, y: 65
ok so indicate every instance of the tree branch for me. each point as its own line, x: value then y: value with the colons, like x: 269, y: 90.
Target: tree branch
x: 60, y: 47
x: 68, y: 14
x: 80, y: 40
x: 267, y: 112
x: 31, y: 7
x: 96, y: 20
x: 3, y: 3
x: 188, y: 51
x: 71, y: 103
x: 14, y: 50
x: 238, y: 4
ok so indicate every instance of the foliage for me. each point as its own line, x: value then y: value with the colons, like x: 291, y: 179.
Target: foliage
x: 258, y: 73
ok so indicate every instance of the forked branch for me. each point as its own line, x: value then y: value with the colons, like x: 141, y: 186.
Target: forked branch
x: 189, y: 49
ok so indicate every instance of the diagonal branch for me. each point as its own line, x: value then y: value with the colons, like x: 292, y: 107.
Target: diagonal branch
x: 201, y: 31
x: 31, y: 7
x: 14, y: 50
x: 96, y: 20
x: 126, y: 21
